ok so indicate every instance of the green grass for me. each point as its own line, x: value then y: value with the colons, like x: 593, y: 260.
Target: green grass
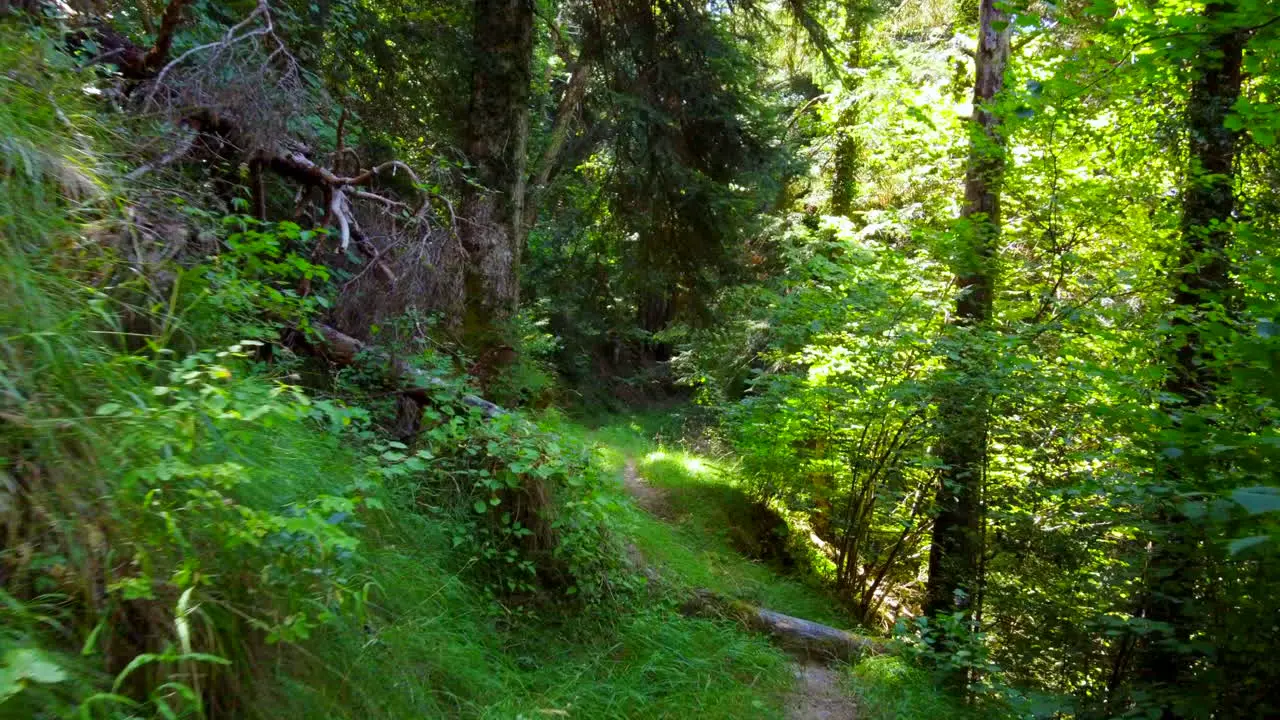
x: 890, y: 689
x: 436, y: 648
x: 694, y: 547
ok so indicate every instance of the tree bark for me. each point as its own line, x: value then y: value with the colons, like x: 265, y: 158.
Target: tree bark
x: 497, y: 139
x: 808, y: 639
x: 565, y: 109
x: 1202, y: 282
x: 954, y: 559
x: 844, y: 183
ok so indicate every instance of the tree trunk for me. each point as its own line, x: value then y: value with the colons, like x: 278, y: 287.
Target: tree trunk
x: 569, y: 101
x: 844, y: 184
x: 957, y: 532
x: 1201, y: 282
x: 497, y: 138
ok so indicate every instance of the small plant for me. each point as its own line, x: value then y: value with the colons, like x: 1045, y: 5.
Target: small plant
x: 189, y: 499
x: 952, y: 646
x: 529, y: 377
x: 527, y: 508
x: 259, y: 282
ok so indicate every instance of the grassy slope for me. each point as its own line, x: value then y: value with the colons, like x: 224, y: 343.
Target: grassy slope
x: 436, y: 648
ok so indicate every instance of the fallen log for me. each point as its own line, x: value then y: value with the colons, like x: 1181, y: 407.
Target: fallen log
x: 805, y: 638
x: 343, y: 349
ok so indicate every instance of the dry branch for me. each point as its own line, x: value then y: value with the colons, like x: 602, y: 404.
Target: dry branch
x: 343, y: 349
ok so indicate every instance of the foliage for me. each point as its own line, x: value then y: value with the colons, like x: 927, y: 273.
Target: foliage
x: 203, y: 515
x: 259, y: 284
x: 523, y: 505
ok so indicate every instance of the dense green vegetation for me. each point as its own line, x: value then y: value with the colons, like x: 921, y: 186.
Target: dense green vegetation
x: 366, y: 358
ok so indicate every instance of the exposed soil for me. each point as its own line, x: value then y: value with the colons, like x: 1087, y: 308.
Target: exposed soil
x: 817, y: 695
x: 652, y: 499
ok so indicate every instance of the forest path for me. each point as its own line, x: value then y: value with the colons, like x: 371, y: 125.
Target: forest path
x: 817, y: 694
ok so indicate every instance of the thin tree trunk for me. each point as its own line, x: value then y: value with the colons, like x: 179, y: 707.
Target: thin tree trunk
x: 573, y: 93
x: 497, y: 139
x: 1201, y: 282
x: 954, y: 558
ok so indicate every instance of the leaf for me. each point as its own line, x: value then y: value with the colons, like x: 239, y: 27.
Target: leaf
x: 34, y: 665
x: 480, y: 507
x: 1257, y: 500
x: 107, y: 409
x: 1240, y: 544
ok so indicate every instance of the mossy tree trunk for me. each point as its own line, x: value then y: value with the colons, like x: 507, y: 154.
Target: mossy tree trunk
x: 492, y: 226
x: 1202, y: 287
x: 955, y: 555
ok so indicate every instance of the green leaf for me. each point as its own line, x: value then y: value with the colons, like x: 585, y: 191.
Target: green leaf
x: 1240, y: 544
x: 107, y: 409
x: 34, y: 665
x: 480, y: 507
x: 1258, y: 500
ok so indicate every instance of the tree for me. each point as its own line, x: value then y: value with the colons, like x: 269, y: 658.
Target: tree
x: 954, y: 559
x: 844, y: 183
x: 497, y: 137
x: 1202, y: 285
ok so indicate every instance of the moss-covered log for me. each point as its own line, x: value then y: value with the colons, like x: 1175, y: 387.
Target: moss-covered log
x: 808, y: 639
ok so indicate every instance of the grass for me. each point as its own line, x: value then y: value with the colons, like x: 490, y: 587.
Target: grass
x: 700, y: 551
x: 696, y: 550
x: 890, y: 689
x: 437, y: 648
x: 695, y: 547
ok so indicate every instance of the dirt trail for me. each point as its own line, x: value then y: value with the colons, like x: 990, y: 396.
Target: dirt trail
x: 648, y: 497
x: 817, y: 694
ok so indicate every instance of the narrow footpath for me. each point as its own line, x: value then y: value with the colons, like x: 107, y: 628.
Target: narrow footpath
x: 817, y: 694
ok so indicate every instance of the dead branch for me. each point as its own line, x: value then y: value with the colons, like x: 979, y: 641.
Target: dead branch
x: 179, y: 151
x: 338, y: 209
x: 343, y: 349
x: 236, y: 34
x: 375, y: 260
